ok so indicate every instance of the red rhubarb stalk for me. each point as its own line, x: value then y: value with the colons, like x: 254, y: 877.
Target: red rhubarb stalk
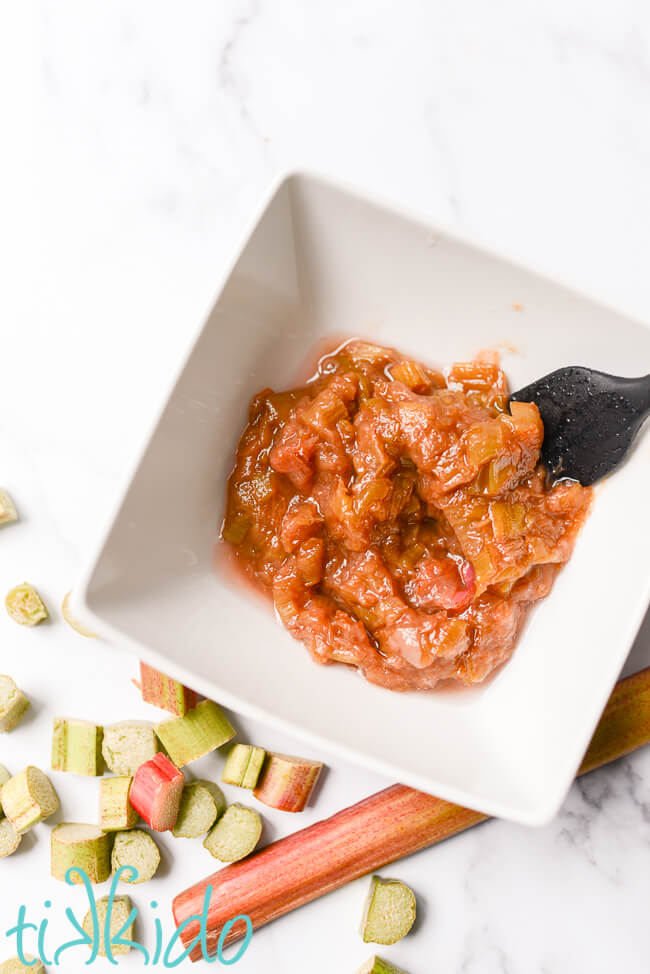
x: 365, y: 837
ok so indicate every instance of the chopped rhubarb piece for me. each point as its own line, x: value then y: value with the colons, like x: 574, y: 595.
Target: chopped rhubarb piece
x: 13, y: 704
x: 77, y: 747
x: 4, y: 777
x: 119, y: 925
x: 138, y: 850
x: 378, y: 966
x: 164, y: 692
x: 201, y: 730
x: 25, y: 606
x: 156, y: 792
x: 28, y: 798
x: 129, y: 744
x: 243, y: 765
x: 82, y: 847
x: 389, y: 912
x: 412, y: 374
x: 235, y: 835
x: 7, y: 508
x: 9, y: 839
x: 115, y: 809
x: 15, y: 966
x: 441, y: 583
x: 288, y: 782
x: 202, y: 803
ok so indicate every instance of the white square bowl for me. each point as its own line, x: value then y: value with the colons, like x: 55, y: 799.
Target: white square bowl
x: 321, y: 263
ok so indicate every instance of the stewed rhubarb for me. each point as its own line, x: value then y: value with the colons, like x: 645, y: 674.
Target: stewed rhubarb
x: 399, y: 517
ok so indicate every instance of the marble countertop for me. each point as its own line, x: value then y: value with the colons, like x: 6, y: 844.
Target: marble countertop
x: 141, y: 138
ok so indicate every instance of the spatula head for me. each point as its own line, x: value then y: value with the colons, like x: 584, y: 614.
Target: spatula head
x: 590, y: 419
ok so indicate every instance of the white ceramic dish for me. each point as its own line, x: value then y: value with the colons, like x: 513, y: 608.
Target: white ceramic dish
x: 322, y: 261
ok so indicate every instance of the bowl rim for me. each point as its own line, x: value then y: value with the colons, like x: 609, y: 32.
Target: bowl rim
x: 543, y: 811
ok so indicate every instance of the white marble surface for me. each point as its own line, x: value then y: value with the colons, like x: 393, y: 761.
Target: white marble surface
x: 137, y: 139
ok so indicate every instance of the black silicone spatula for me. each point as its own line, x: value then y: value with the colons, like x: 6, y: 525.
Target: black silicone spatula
x: 590, y: 419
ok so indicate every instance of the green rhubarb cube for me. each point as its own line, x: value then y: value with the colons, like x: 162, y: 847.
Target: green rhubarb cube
x: 77, y: 747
